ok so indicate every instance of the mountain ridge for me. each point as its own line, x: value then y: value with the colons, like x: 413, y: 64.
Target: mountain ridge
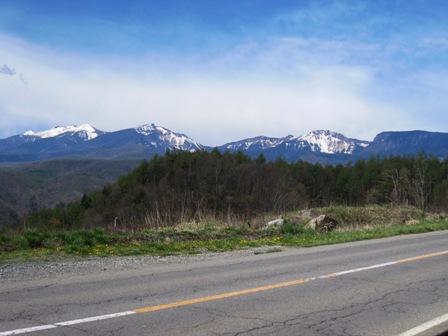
x: 145, y: 141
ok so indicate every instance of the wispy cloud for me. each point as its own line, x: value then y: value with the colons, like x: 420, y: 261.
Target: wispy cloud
x: 6, y: 70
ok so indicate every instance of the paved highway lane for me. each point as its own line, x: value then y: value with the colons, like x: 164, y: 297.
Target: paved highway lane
x: 379, y: 287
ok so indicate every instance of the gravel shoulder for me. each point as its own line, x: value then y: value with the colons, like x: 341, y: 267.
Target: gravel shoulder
x: 26, y: 272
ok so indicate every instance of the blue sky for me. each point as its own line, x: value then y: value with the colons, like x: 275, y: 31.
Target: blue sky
x: 221, y: 71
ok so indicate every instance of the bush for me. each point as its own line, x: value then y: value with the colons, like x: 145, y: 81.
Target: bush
x: 87, y: 237
x: 292, y: 229
x: 34, y: 239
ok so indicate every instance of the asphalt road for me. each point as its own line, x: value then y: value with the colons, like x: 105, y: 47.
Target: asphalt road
x: 379, y: 287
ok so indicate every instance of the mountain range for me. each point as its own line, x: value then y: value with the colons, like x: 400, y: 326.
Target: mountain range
x: 145, y: 141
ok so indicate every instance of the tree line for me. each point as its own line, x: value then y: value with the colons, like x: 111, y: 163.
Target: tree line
x: 182, y: 187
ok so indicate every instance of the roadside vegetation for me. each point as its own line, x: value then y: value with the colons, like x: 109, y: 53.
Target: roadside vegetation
x: 354, y: 223
x: 185, y: 203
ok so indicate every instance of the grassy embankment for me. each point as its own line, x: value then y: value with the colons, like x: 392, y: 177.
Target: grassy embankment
x: 354, y: 224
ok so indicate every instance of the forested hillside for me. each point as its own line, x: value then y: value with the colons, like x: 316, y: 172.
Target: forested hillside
x: 182, y: 187
x: 29, y: 187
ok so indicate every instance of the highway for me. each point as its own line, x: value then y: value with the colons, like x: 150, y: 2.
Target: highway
x: 379, y: 287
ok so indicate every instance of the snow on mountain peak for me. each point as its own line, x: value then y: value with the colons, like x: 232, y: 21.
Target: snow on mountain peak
x: 146, y: 129
x: 85, y: 131
x: 328, y: 142
x: 262, y: 142
x: 320, y: 141
x: 175, y: 140
x: 150, y: 128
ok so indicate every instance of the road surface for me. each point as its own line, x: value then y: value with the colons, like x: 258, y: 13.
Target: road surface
x: 379, y: 287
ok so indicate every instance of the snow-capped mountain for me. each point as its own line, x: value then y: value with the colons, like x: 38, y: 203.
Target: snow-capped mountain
x: 161, y: 137
x: 330, y: 142
x: 53, y: 137
x: 144, y: 141
x: 328, y: 147
x: 85, y: 132
x: 140, y: 142
x: 325, y: 142
x: 257, y: 143
x: 86, y: 141
x: 314, y: 146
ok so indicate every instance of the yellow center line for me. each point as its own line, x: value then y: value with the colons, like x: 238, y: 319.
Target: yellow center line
x: 283, y: 284
x: 221, y: 296
x: 425, y: 256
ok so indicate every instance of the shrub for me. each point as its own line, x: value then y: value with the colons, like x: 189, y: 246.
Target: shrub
x: 34, y: 239
x: 292, y: 229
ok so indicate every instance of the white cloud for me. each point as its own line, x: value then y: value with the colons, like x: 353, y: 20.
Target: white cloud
x: 287, y: 86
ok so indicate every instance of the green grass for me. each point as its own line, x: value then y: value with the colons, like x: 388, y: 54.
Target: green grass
x: 43, y: 245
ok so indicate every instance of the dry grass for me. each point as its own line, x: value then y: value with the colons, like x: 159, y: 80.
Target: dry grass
x: 355, y: 218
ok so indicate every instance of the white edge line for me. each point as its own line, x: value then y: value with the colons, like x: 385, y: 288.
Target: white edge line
x: 94, y: 318
x: 356, y: 270
x: 65, y: 324
x: 425, y: 326
x: 27, y: 330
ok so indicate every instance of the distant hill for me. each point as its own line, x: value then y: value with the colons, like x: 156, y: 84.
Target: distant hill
x: 214, y: 187
x: 27, y: 187
x: 408, y: 143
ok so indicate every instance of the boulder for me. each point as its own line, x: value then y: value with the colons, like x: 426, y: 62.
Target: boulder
x: 309, y: 214
x: 275, y: 222
x: 301, y: 217
x: 322, y: 224
x: 412, y: 222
